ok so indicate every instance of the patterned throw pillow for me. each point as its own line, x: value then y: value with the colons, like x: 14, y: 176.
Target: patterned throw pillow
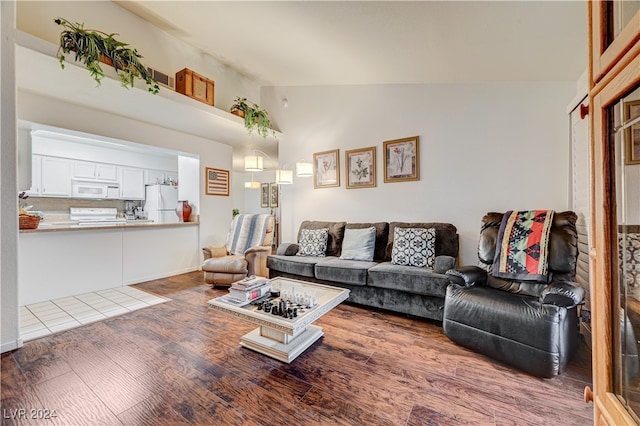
x: 313, y: 242
x: 414, y: 247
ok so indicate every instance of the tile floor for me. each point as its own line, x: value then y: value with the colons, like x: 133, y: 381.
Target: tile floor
x: 44, y: 318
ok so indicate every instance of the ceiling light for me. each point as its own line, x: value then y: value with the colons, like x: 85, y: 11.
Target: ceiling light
x: 253, y: 163
x: 284, y: 177
x: 252, y: 185
x: 304, y: 169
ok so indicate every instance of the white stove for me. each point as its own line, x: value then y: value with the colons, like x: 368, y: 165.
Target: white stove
x: 96, y: 216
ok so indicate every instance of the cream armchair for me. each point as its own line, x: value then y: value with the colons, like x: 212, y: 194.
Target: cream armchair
x: 245, y: 252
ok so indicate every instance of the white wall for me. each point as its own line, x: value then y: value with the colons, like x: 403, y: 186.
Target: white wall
x: 9, y: 331
x: 189, y: 182
x: 249, y: 200
x: 483, y: 147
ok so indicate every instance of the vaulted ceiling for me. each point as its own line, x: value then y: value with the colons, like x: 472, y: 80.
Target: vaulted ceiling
x: 308, y: 43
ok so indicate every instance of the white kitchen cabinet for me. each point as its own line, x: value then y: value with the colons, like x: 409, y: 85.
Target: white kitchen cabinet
x: 153, y: 177
x: 107, y: 172
x: 91, y: 170
x: 171, y: 177
x: 56, y: 181
x: 131, y: 183
x: 84, y: 169
x: 162, y: 177
x: 36, y: 176
x: 50, y: 177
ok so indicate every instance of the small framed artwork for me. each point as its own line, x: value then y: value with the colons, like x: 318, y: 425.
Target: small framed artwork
x: 273, y: 194
x: 264, y: 195
x: 217, y: 181
x: 326, y: 169
x: 361, y: 167
x: 632, y: 133
x: 401, y: 159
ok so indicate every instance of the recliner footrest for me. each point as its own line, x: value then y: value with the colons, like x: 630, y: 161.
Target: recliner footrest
x: 519, y: 331
x: 229, y: 264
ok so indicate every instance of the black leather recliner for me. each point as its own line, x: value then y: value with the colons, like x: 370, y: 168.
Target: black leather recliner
x: 529, y: 325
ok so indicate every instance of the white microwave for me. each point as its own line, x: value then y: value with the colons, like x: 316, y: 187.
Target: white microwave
x: 94, y: 189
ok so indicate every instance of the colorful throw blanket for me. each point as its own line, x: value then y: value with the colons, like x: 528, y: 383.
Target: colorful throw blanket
x: 246, y: 231
x: 522, y: 246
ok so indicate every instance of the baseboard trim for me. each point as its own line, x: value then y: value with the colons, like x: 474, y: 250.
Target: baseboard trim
x: 9, y: 346
x: 139, y: 280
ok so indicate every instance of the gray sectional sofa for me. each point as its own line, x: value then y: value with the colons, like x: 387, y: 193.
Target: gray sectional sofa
x: 417, y: 291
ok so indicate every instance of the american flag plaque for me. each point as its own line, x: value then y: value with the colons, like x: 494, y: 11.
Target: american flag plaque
x: 217, y: 181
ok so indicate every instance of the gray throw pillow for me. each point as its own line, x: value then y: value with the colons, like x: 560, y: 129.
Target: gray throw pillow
x: 359, y: 244
x: 313, y: 242
x: 414, y: 247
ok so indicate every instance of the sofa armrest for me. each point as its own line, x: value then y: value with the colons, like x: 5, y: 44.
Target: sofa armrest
x: 256, y: 258
x: 287, y: 249
x: 443, y: 263
x: 214, y: 251
x: 562, y: 293
x: 257, y: 249
x: 467, y: 276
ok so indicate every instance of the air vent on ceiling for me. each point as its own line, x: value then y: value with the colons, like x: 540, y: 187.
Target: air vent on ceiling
x: 163, y: 78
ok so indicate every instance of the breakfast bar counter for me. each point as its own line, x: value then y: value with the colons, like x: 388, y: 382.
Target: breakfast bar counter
x: 66, y: 260
x: 57, y: 227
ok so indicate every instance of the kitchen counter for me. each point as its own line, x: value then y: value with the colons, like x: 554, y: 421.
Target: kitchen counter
x: 54, y: 262
x: 68, y: 226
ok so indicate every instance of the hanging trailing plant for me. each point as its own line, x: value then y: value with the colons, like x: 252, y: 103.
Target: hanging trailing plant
x: 91, y: 47
x: 255, y: 118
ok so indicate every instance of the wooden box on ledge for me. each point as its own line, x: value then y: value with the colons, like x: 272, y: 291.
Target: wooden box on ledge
x: 195, y: 86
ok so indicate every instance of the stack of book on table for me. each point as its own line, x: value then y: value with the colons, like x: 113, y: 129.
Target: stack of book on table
x: 249, y: 289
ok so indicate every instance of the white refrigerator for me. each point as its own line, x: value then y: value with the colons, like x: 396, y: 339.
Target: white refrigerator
x: 160, y: 203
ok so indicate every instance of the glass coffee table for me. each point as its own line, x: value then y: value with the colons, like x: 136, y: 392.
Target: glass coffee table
x: 284, y: 337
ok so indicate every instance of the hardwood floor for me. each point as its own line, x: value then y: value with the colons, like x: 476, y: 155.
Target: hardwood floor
x: 180, y: 363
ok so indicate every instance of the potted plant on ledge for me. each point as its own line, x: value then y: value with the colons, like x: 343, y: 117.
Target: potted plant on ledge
x: 92, y: 47
x: 255, y: 118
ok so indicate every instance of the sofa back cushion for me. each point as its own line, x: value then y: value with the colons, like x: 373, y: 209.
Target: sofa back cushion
x: 336, y: 234
x: 563, y: 242
x: 446, y: 237
x: 563, y: 252
x: 382, y: 237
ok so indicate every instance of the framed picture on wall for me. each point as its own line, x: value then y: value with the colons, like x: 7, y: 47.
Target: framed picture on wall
x: 264, y: 195
x: 217, y: 181
x: 273, y: 194
x: 326, y: 169
x: 401, y: 159
x: 361, y: 167
x: 632, y: 133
